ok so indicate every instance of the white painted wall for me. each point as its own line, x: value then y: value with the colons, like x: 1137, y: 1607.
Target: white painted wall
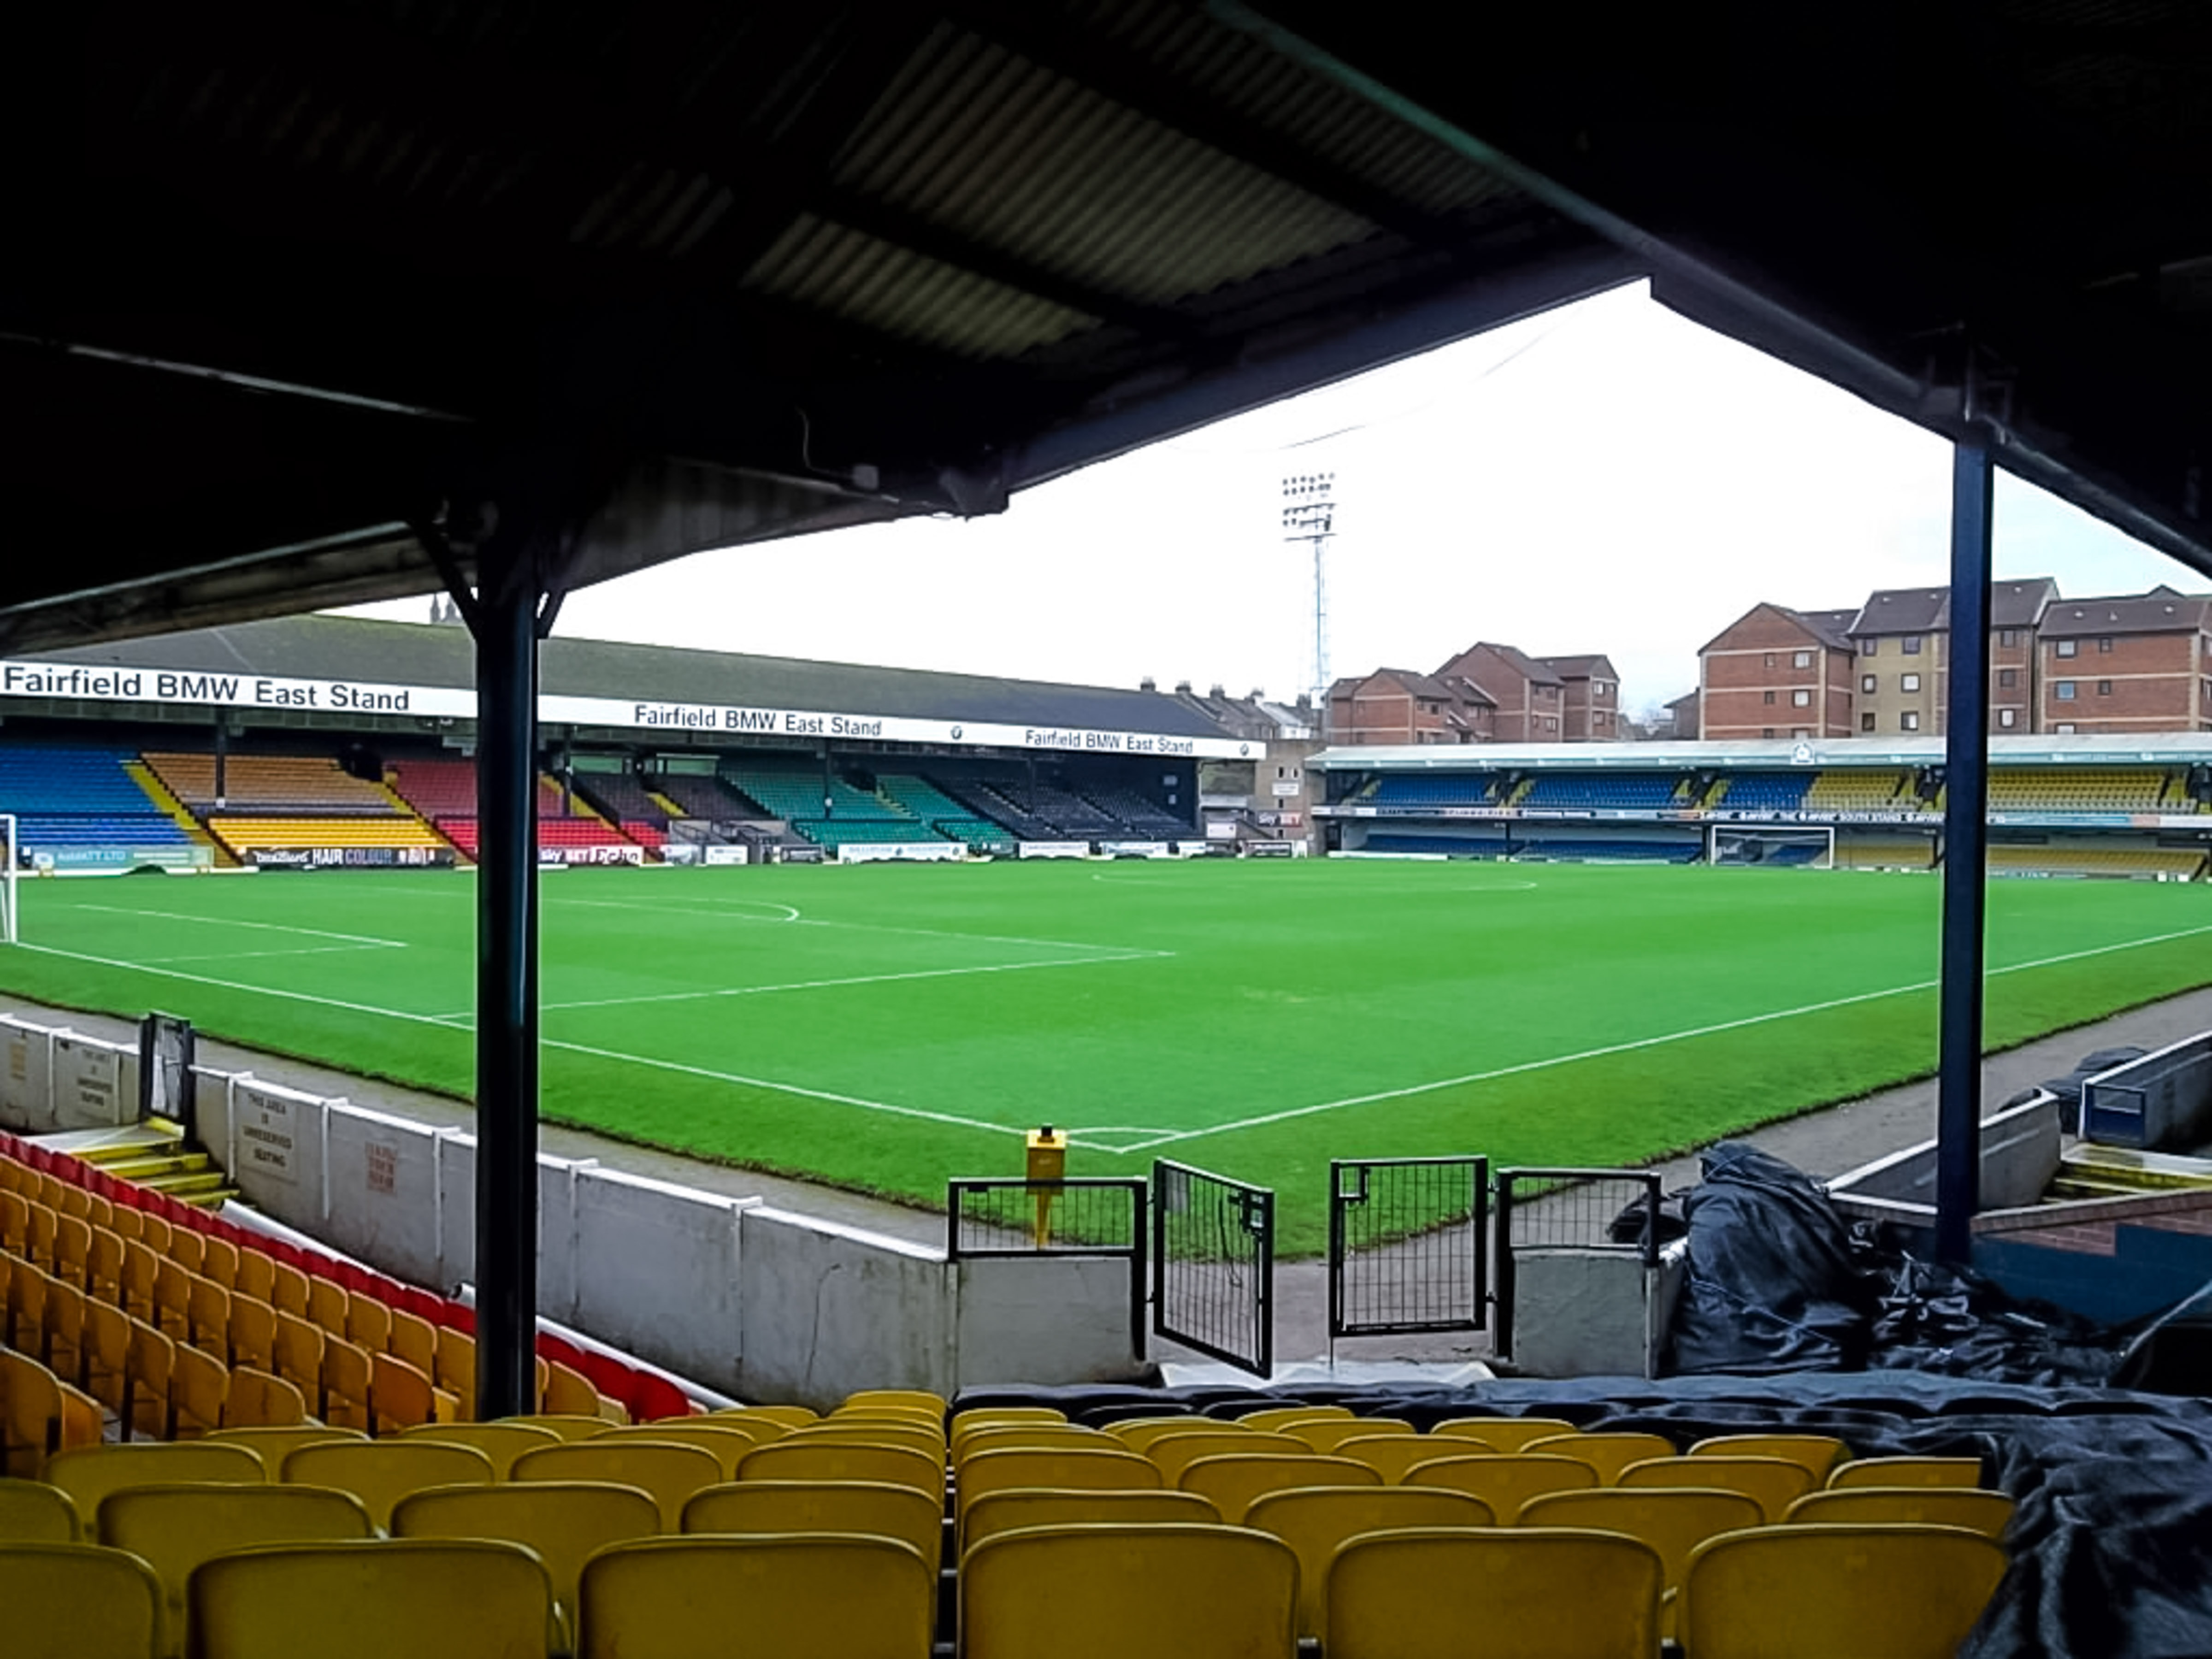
x: 2019, y: 1154
x: 739, y: 1296
x: 825, y: 1306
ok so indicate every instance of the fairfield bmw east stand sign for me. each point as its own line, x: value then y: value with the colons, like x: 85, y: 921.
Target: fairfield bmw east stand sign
x: 122, y: 683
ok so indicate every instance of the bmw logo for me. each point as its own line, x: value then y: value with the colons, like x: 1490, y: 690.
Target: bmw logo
x: 1243, y: 748
x: 956, y: 734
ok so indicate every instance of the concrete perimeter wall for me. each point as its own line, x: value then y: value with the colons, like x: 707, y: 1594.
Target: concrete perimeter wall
x: 759, y: 1302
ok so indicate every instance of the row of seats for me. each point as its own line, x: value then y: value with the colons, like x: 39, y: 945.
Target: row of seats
x: 1621, y: 792
x: 1084, y: 1591
x: 265, y: 1269
x: 1111, y: 1560
x: 283, y: 783
x: 74, y: 796
x: 2177, y: 863
x: 2066, y: 788
x: 1861, y: 792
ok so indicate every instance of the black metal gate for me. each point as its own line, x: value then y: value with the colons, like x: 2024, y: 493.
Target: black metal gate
x: 1564, y: 1209
x: 1214, y: 1247
x: 1086, y: 1215
x: 1408, y: 1245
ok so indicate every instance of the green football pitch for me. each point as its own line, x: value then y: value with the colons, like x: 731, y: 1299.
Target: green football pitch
x: 883, y: 1027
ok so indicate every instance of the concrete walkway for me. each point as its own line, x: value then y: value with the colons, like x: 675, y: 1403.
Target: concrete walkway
x: 1824, y: 1144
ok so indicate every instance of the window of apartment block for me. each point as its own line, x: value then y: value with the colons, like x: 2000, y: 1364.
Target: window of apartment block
x: 2008, y: 717
x: 2064, y: 728
x: 2064, y: 690
x: 2007, y: 636
x: 2104, y: 688
x: 1801, y: 732
x: 1765, y: 731
x: 1869, y: 647
x: 2066, y: 647
x: 1912, y: 645
x: 1866, y: 722
x: 1909, y: 720
x: 1869, y: 683
x: 2104, y: 645
x: 2007, y: 677
x: 1766, y: 696
x: 1800, y: 659
x: 1801, y: 699
x: 1769, y: 659
x: 1908, y: 682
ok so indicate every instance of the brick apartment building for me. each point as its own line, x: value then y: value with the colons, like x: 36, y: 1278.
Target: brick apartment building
x: 1528, y: 700
x: 1399, y: 705
x: 1590, y: 698
x: 1775, y: 672
x: 2126, y: 663
x: 1903, y: 640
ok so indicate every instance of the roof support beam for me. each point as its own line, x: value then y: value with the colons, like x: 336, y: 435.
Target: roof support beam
x: 1966, y: 840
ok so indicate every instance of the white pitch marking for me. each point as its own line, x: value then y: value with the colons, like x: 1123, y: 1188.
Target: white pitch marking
x: 730, y: 910
x: 831, y: 984
x: 797, y: 919
x: 1640, y: 1042
x: 263, y: 927
x: 444, y: 1023
x: 243, y: 956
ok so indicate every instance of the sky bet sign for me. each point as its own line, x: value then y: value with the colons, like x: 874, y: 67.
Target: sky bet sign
x: 118, y: 683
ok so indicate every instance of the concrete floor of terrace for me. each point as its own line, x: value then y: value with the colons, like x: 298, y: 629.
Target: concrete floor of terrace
x: 1824, y: 1144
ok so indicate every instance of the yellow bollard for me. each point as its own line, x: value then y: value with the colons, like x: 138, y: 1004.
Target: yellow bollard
x: 1047, y: 1161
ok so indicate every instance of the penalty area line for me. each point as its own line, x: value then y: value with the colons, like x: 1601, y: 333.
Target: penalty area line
x: 232, y: 921
x: 1634, y: 1044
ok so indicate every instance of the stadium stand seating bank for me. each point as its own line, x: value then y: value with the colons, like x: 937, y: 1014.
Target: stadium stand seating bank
x: 2057, y: 806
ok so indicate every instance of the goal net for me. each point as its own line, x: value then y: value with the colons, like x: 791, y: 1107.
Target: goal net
x: 10, y: 859
x: 1804, y: 846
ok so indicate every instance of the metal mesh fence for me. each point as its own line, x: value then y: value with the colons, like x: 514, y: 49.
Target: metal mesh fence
x: 1214, y: 1243
x: 1094, y: 1217
x: 1571, y: 1209
x: 1407, y: 1242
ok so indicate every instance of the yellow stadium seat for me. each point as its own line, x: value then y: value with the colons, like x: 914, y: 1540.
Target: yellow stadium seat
x: 502, y: 1443
x: 1231, y: 1481
x: 428, y: 1599
x: 33, y: 1512
x: 569, y: 1426
x: 1501, y: 1434
x: 1391, y: 1455
x: 1988, y: 1513
x: 1175, y: 1453
x: 668, y: 1470
x: 827, y: 1506
x: 824, y: 1596
x: 380, y: 1473
x: 273, y: 1444
x: 788, y: 1459
x: 1774, y: 1483
x: 1018, y: 1507
x: 563, y: 1523
x: 1327, y: 1434
x: 88, y: 1474
x: 1108, y: 1592
x: 174, y: 1528
x: 1532, y: 1592
x: 1608, y: 1454
x: 1504, y: 1481
x: 78, y: 1602
x: 1818, y: 1453
x: 1909, y: 1472
x: 1033, y: 1435
x: 1282, y: 1420
x: 1823, y: 1592
x: 1315, y: 1520
x: 1673, y: 1521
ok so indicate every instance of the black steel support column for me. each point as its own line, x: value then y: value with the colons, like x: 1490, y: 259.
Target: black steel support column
x: 506, y: 621
x: 1966, y: 837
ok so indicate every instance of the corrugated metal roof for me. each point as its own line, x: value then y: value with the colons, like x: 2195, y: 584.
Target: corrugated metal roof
x: 412, y: 654
x: 978, y: 138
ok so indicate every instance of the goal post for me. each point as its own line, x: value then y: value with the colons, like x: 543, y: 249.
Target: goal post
x: 10, y: 863
x: 1793, y: 846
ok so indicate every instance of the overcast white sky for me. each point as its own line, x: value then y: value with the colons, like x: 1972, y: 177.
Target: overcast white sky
x: 1604, y: 477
